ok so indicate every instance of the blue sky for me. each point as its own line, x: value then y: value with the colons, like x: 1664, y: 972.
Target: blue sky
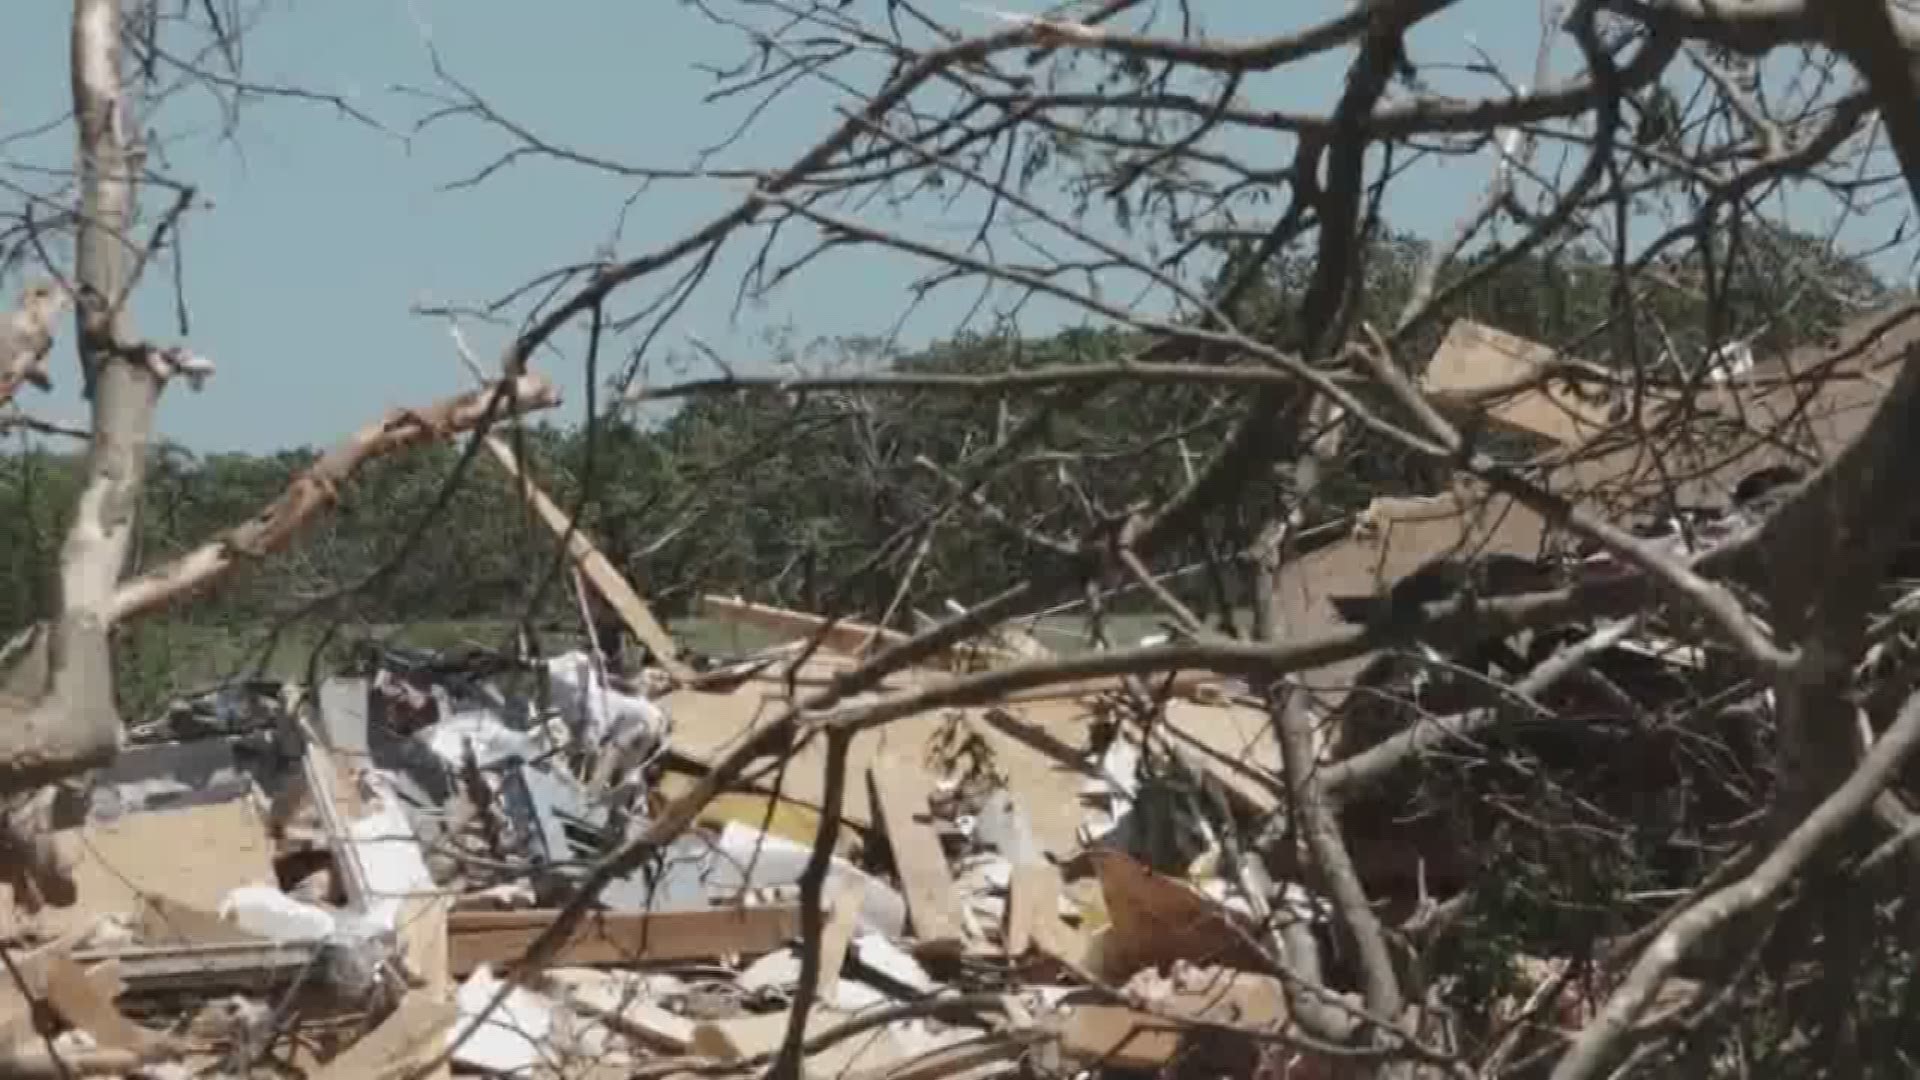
x: 324, y: 234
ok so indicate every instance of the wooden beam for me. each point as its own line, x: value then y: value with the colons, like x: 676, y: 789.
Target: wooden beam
x: 413, y: 1033
x: 620, y: 1004
x: 933, y: 902
x: 1033, y: 907
x: 843, y: 918
x: 845, y: 636
x: 1214, y: 1019
x: 423, y: 945
x: 502, y: 937
x: 605, y: 577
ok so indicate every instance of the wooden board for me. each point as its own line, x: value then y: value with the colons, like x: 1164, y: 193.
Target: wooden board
x: 745, y: 1037
x: 1045, y: 783
x: 501, y: 937
x: 899, y: 790
x: 425, y: 950
x: 607, y: 996
x: 1115, y: 1035
x: 192, y: 856
x: 1157, y: 920
x: 608, y: 580
x: 84, y: 999
x: 414, y: 1033
x: 1477, y: 359
x: 843, y: 918
x: 1033, y: 907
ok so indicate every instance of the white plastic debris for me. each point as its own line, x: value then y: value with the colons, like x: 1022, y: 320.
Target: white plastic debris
x: 774, y: 971
x: 1002, y: 826
x: 509, y: 1041
x: 111, y: 932
x: 1114, y: 788
x: 745, y: 857
x: 267, y: 912
x: 891, y: 962
x: 391, y: 864
x: 852, y: 995
x: 492, y: 740
x: 605, y: 717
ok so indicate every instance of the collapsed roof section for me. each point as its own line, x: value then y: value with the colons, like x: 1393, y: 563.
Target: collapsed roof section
x: 1657, y: 458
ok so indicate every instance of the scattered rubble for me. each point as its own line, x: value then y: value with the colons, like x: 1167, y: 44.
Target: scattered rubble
x: 344, y: 880
x: 348, y: 879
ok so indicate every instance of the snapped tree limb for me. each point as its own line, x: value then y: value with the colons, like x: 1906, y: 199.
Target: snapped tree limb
x: 27, y: 337
x: 275, y: 526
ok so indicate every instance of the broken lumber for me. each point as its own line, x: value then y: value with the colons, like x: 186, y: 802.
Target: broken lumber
x: 933, y: 903
x: 1033, y: 907
x: 845, y: 636
x: 619, y: 1005
x: 412, y: 1034
x: 1512, y: 377
x: 1218, y: 1012
x: 606, y: 937
x: 843, y: 918
x: 1157, y: 920
x: 607, y: 579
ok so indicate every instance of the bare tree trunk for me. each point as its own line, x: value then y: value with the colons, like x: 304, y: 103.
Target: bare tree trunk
x: 71, y: 723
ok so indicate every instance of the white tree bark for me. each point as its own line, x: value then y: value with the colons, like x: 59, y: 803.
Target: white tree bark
x: 68, y: 721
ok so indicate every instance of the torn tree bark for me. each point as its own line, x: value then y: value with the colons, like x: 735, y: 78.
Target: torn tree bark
x: 71, y: 723
x: 27, y: 337
x: 312, y: 491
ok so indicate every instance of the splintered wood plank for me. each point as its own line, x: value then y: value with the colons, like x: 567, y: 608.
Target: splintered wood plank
x: 743, y: 1037
x: 605, y: 937
x: 1213, y: 1013
x: 1157, y: 920
x: 622, y: 1006
x: 413, y: 1033
x: 991, y: 1054
x: 193, y: 856
x: 1114, y: 1036
x: 608, y: 580
x: 425, y: 949
x: 84, y: 999
x: 1477, y: 360
x: 1033, y: 907
x: 933, y: 902
x: 843, y: 918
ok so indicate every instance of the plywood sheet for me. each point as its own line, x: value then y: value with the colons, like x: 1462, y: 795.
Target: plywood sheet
x: 192, y: 857
x: 706, y: 726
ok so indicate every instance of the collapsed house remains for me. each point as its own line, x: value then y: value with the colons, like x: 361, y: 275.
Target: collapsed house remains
x: 346, y: 879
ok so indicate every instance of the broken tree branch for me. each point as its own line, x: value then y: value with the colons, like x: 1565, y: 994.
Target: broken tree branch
x: 27, y: 337
x: 1602, y: 1039
x: 313, y: 490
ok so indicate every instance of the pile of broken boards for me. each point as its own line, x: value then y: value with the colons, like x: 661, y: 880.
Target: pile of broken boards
x: 342, y: 882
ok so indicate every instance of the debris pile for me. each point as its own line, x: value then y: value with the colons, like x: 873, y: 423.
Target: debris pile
x: 410, y: 868
x: 348, y: 880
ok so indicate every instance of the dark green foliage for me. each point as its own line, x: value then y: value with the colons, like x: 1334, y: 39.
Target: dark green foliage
x: 821, y: 500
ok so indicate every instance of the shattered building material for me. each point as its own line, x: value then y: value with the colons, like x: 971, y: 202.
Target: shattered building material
x: 498, y: 938
x: 610, y: 583
x: 1519, y: 383
x: 900, y: 801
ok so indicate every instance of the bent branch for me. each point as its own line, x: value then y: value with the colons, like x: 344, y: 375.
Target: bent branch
x: 274, y: 527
